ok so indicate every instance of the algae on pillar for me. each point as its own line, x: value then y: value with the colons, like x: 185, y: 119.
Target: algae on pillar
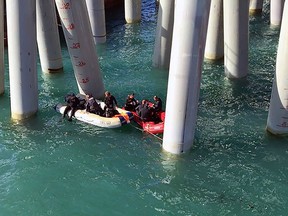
x: 164, y: 31
x: 236, y: 38
x: 214, y: 48
x: 96, y: 11
x: 277, y: 122
x: 48, y: 40
x: 22, y: 51
x: 187, y: 54
x: 132, y: 11
x: 79, y: 40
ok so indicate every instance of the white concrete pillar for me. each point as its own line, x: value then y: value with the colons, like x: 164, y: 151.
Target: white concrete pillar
x: 96, y: 11
x: 132, y: 11
x: 188, y: 44
x: 276, y: 10
x: 22, y: 51
x: 2, y: 69
x: 79, y: 40
x: 255, y: 7
x: 236, y: 38
x: 214, y: 48
x: 48, y: 40
x: 164, y: 31
x: 277, y: 122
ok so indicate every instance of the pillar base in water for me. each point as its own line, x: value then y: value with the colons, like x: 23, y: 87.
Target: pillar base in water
x: 276, y: 133
x: 99, y: 40
x: 57, y: 70
x: 173, y: 148
x: 212, y: 57
x: 130, y: 21
x: 255, y: 11
x: 17, y: 116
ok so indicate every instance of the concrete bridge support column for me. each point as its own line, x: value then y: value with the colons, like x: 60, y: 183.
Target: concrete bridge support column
x: 78, y: 34
x: 22, y: 50
x: 277, y: 122
x: 96, y: 11
x: 132, y: 11
x: 2, y: 69
x: 214, y: 48
x: 255, y: 7
x: 189, y: 36
x: 163, y: 39
x: 236, y: 38
x: 48, y: 40
x: 276, y: 10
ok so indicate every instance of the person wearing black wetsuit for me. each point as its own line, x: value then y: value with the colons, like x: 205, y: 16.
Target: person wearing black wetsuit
x: 110, y: 104
x: 72, y: 103
x: 131, y: 103
x: 158, y: 104
x: 93, y: 107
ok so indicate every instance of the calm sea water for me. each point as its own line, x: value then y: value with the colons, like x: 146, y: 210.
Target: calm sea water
x: 53, y: 167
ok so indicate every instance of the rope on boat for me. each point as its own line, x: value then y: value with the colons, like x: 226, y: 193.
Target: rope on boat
x: 147, y: 132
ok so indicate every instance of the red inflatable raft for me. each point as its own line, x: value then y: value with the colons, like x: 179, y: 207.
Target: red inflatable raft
x: 151, y: 126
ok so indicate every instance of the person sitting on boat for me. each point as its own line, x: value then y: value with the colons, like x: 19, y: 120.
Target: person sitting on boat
x: 157, y: 106
x: 141, y: 106
x: 156, y: 109
x: 144, y: 111
x: 110, y: 104
x: 93, y: 106
x: 131, y: 103
x: 72, y: 104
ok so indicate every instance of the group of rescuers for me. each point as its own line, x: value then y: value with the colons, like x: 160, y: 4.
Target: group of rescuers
x: 146, y: 110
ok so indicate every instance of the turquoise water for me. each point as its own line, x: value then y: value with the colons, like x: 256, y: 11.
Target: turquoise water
x: 53, y: 167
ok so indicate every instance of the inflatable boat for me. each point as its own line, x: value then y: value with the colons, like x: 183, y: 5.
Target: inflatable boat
x: 124, y: 117
x: 153, y: 127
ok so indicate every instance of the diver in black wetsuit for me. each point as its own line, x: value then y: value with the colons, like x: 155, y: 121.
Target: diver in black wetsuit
x: 110, y: 105
x: 131, y: 103
x: 72, y: 104
x: 157, y: 106
x: 93, y: 107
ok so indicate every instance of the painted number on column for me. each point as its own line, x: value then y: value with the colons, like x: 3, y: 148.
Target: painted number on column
x: 65, y: 5
x: 70, y: 26
x: 81, y: 64
x: 86, y: 80
x: 75, y: 46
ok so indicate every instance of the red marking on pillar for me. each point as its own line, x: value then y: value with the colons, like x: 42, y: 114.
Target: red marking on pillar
x: 65, y: 5
x: 75, y: 46
x: 81, y: 64
x: 86, y: 80
x: 70, y: 26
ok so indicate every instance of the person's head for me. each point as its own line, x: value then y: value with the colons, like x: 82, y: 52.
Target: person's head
x: 131, y: 95
x: 155, y: 98
x: 143, y: 102
x: 107, y: 93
